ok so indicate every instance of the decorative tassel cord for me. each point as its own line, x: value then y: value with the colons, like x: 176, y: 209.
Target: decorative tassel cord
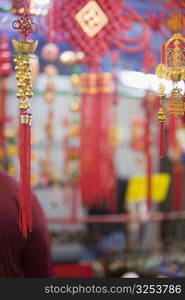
x: 25, y: 221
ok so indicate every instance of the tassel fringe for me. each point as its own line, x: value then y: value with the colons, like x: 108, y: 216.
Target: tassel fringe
x: 25, y: 216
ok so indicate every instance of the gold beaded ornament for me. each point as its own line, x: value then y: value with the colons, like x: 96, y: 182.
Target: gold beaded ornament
x: 23, y: 71
x: 24, y: 48
x: 173, y: 68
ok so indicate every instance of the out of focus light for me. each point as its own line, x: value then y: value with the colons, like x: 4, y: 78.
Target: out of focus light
x: 41, y: 2
x: 144, y: 81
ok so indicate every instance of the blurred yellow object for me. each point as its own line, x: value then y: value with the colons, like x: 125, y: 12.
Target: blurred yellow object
x: 75, y: 105
x: 137, y: 188
x: 10, y: 133
x: 11, y: 170
x: 12, y: 150
x: 34, y: 137
x: 75, y: 80
x: 34, y: 157
x: 34, y: 179
x: 2, y: 153
x: 74, y: 130
x: 116, y: 136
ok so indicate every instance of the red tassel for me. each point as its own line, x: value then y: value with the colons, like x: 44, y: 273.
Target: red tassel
x: 25, y: 220
x: 163, y: 51
x: 177, y: 183
x: 161, y: 140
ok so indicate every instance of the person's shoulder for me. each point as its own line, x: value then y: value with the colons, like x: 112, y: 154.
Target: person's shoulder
x: 8, y: 185
x: 7, y: 180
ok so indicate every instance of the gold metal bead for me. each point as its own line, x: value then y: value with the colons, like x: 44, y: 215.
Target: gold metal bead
x: 19, y: 95
x: 24, y: 105
x: 161, y: 115
x: 16, y: 68
x: 29, y: 94
x: 26, y: 77
x: 20, y: 84
x: 74, y: 106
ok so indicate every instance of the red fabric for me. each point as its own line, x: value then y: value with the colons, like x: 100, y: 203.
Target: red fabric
x: 31, y: 256
x: 72, y: 271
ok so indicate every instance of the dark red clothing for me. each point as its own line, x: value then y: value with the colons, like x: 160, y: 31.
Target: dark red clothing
x: 31, y: 256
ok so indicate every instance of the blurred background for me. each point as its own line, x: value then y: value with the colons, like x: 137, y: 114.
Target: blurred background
x: 112, y: 205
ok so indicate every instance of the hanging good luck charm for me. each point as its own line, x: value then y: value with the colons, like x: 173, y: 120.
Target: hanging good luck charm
x: 171, y: 68
x: 24, y: 48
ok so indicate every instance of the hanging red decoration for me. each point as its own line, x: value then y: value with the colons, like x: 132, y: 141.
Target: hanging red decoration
x: 24, y: 48
x: 93, y: 27
x: 170, y: 19
x: 97, y: 166
x: 50, y: 52
x: 5, y: 71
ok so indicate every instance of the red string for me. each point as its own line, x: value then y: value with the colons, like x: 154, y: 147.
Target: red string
x: 26, y: 7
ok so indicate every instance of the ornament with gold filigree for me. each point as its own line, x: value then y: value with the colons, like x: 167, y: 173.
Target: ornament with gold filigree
x: 176, y: 105
x: 173, y: 59
x: 172, y: 68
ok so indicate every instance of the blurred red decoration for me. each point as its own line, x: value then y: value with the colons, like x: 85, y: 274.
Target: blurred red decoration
x: 170, y: 20
x: 138, y: 134
x: 97, y: 178
x: 5, y: 71
x: 50, y: 52
x: 5, y: 56
x: 50, y: 70
x: 63, y: 26
x: 94, y: 27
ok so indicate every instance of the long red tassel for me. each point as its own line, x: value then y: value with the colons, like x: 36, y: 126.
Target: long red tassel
x: 25, y: 217
x: 177, y: 183
x: 161, y: 140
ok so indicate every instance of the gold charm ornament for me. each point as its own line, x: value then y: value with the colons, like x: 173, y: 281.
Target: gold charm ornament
x: 176, y: 105
x: 173, y: 59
